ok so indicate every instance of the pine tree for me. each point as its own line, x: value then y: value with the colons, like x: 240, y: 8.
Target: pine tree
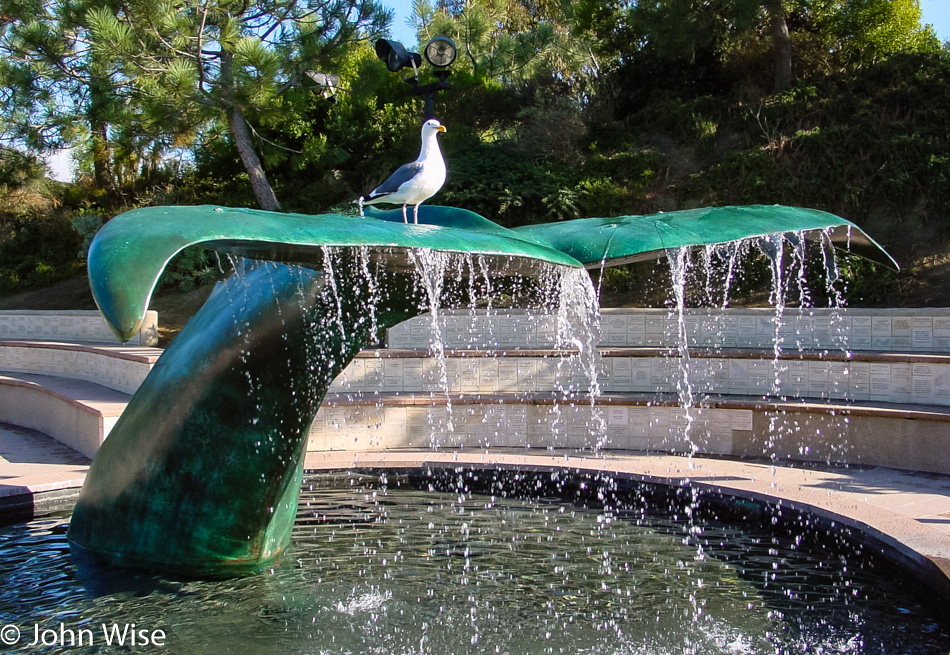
x: 227, y: 58
x: 55, y: 89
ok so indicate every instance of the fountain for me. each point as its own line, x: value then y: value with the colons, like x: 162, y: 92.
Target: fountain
x: 201, y: 474
x: 203, y: 477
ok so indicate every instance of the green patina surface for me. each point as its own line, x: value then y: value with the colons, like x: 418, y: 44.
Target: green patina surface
x: 614, y: 241
x: 200, y: 475
x: 131, y: 251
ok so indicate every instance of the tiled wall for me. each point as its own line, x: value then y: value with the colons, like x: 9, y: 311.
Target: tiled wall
x: 854, y: 329
x: 877, y: 381
x: 367, y: 427
x: 117, y: 373
x: 69, y: 326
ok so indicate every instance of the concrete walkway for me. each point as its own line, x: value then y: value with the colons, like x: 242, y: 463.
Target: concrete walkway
x: 908, y: 511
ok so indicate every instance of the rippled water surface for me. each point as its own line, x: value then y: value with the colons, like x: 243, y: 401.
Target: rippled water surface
x: 394, y: 570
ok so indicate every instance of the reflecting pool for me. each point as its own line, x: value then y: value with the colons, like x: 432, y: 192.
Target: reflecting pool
x: 395, y: 564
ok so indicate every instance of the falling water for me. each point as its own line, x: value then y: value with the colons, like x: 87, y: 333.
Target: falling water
x: 431, y: 266
x: 679, y: 260
x: 328, y: 254
x: 578, y: 331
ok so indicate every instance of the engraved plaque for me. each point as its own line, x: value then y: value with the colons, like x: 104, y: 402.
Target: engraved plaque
x: 901, y: 383
x: 729, y: 331
x: 942, y: 333
x: 655, y: 330
x: 508, y: 375
x: 618, y: 415
x: 718, y: 372
x: 636, y: 330
x: 761, y: 376
x: 923, y: 338
x: 839, y: 384
x: 881, y: 382
x: 859, y: 380
x: 615, y: 329
x: 818, y: 379
x: 697, y: 376
x: 398, y: 336
x: 412, y: 374
x: 861, y: 333
x: 902, y: 326
x: 746, y: 333
x: 639, y: 421
x: 739, y: 376
x: 393, y: 370
x: 621, y: 374
x: 941, y: 385
x: 642, y: 373
x: 659, y: 422
x: 487, y: 374
x: 661, y: 377
x: 468, y: 374
x: 923, y: 381
x: 741, y: 419
x: 822, y: 336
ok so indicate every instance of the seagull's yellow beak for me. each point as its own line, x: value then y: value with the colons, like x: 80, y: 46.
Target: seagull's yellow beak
x: 441, y: 128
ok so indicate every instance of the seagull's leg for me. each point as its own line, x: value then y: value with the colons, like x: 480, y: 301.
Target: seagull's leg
x: 415, y: 214
x: 405, y: 219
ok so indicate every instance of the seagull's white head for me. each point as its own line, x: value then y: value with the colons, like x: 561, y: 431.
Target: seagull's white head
x: 431, y: 126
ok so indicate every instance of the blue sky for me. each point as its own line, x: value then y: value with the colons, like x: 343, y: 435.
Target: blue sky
x: 935, y: 12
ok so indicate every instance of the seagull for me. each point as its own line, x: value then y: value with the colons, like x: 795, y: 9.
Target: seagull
x: 415, y: 182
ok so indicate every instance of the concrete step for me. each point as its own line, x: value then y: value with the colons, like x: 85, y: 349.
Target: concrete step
x: 119, y: 367
x: 77, y: 413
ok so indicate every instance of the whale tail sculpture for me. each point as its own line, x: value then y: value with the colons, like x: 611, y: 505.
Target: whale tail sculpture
x: 201, y: 474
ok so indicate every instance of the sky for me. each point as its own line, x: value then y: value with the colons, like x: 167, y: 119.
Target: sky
x: 935, y: 12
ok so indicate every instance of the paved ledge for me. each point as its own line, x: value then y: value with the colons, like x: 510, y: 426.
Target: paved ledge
x: 907, y: 513
x: 36, y: 473
x: 77, y: 413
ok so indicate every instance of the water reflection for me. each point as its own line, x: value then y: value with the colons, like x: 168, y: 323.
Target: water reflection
x: 391, y: 569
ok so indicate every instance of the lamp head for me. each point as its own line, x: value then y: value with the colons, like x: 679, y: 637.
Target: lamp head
x: 440, y: 51
x: 395, y: 55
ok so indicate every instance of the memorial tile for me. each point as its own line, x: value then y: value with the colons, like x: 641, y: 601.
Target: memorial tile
x: 636, y: 330
x: 923, y: 383
x: 393, y: 374
x: 508, y: 376
x: 621, y: 374
x: 839, y: 382
x: 923, y: 338
x: 901, y: 383
x: 739, y: 376
x: 818, y: 379
x: 880, y: 382
x: 859, y: 380
x: 941, y: 385
x: 862, y: 333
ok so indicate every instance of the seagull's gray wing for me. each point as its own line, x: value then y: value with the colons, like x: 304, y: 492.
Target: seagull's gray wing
x: 402, y: 175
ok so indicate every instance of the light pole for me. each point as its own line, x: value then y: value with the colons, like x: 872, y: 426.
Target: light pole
x: 440, y: 52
